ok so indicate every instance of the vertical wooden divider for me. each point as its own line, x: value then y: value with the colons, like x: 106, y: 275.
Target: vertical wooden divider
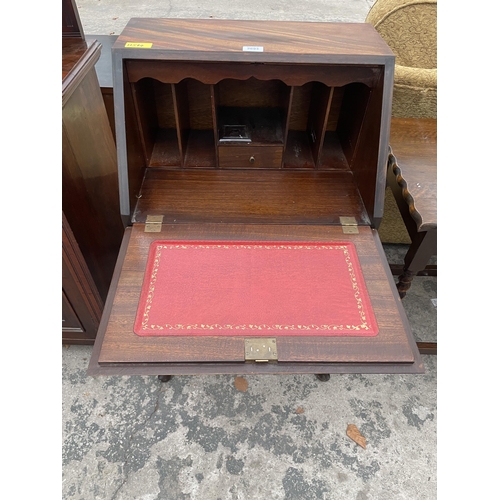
x: 214, y: 98
x: 181, y: 110
x: 146, y: 117
x: 288, y: 107
x: 366, y: 150
x: 351, y: 117
x: 318, y: 119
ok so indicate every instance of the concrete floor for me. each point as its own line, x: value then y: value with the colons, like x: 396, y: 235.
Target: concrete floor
x: 109, y: 17
x: 285, y: 436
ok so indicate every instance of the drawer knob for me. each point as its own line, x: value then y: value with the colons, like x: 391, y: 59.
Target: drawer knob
x: 252, y: 159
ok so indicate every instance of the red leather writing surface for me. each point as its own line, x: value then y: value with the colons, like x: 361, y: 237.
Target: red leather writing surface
x: 254, y: 289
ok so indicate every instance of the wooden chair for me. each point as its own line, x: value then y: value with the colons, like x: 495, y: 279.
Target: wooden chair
x: 410, y: 28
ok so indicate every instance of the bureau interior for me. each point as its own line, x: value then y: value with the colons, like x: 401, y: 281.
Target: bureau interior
x: 199, y: 117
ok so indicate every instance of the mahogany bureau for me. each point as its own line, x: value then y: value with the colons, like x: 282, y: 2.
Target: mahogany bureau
x: 251, y: 131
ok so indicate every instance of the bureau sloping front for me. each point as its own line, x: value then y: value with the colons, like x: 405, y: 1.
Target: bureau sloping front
x: 123, y: 351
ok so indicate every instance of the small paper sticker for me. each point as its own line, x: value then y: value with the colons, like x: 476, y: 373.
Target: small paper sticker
x: 253, y: 48
x: 434, y: 302
x: 138, y: 45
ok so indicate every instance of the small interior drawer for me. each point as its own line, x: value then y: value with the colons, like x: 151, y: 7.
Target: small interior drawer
x: 250, y: 156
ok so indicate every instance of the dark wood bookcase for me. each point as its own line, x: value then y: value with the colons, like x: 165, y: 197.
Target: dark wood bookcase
x: 92, y: 225
x: 252, y: 130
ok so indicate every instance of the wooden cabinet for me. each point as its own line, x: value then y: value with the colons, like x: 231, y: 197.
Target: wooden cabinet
x: 81, y: 302
x: 71, y: 23
x: 252, y: 131
x: 89, y: 186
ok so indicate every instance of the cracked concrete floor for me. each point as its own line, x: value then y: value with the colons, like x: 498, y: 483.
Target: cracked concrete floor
x: 284, y: 437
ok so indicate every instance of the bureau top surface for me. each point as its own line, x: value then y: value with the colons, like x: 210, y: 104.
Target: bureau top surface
x: 251, y: 41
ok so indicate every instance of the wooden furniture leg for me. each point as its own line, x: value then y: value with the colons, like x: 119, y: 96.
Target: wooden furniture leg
x: 421, y: 250
x: 427, y: 347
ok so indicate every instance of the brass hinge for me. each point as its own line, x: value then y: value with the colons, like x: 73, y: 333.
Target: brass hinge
x: 153, y: 223
x: 349, y: 225
x: 261, y: 350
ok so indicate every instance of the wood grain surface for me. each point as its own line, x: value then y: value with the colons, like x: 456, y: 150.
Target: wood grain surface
x: 90, y: 179
x: 215, y: 72
x: 232, y: 58
x: 217, y: 39
x: 71, y: 23
x: 121, y: 345
x: 250, y: 196
x: 414, y: 163
x: 82, y: 304
x: 78, y: 59
x: 89, y: 167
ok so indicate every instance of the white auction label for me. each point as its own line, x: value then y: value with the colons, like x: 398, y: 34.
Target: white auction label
x: 253, y: 48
